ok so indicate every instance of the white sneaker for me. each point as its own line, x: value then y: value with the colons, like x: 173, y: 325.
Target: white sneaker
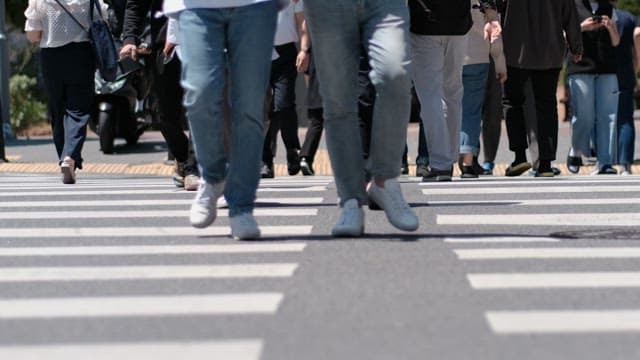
x: 351, y: 222
x: 244, y: 227
x: 203, y: 208
x: 68, y: 170
x: 390, y: 199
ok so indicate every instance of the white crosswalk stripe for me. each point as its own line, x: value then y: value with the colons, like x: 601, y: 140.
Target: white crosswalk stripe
x: 37, y: 200
x: 529, y: 266
x: 239, y: 349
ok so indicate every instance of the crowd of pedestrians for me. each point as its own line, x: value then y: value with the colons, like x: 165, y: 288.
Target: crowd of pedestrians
x: 469, y: 62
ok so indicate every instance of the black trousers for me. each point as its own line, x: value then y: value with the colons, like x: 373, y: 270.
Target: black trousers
x: 68, y: 79
x: 544, y: 83
x: 167, y: 88
x: 283, y: 116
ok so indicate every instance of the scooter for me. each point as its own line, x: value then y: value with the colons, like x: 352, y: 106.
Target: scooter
x: 124, y: 107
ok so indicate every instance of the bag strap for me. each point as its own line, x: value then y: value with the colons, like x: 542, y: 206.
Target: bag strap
x: 94, y: 4
x: 73, y: 17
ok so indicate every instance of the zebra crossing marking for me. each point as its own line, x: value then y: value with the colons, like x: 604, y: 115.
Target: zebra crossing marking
x: 549, y: 253
x: 546, y: 219
x: 233, y: 349
x: 547, y: 280
x: 32, y: 215
x: 540, y: 202
x: 141, y: 202
x: 151, y: 250
x: 140, y: 306
x: 501, y: 239
x: 152, y: 231
x: 145, y: 272
x: 563, y: 321
x: 532, y: 190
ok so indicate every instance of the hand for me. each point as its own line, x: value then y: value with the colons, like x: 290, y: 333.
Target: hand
x: 608, y: 22
x: 590, y: 24
x: 130, y: 50
x: 34, y: 36
x: 492, y: 30
x: 168, y: 48
x: 577, y: 58
x: 302, y: 61
x: 502, y: 77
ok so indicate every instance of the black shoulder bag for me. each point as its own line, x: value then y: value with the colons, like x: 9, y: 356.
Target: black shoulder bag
x: 104, y: 47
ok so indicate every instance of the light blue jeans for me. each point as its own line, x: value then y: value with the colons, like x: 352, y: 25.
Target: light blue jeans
x: 238, y: 40
x: 339, y: 28
x: 474, y: 81
x: 594, y: 99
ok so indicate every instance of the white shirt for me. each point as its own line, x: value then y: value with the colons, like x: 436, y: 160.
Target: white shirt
x: 58, y: 28
x: 287, y: 29
x: 171, y: 7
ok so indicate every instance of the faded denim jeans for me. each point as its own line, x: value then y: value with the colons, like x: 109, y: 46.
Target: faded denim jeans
x: 238, y: 40
x: 339, y: 29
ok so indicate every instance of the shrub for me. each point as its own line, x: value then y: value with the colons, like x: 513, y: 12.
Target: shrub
x: 26, y: 110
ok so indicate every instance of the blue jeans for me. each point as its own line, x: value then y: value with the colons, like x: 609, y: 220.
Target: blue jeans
x: 339, y: 28
x: 474, y: 81
x: 594, y: 99
x: 238, y: 40
x: 626, y: 128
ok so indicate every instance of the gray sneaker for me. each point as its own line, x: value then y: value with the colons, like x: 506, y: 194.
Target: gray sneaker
x: 351, y: 222
x: 244, y: 227
x: 203, y: 209
x: 389, y: 198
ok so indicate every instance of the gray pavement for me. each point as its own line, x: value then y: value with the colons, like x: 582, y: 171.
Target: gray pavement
x: 110, y: 268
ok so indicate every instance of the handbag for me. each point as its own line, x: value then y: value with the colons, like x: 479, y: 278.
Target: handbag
x: 104, y: 48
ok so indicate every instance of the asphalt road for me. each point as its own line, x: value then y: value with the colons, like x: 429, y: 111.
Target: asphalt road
x: 499, y: 269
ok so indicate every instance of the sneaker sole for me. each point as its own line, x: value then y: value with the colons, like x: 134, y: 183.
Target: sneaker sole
x: 67, y: 175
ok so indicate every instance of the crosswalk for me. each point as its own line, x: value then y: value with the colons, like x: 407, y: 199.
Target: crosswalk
x: 110, y: 268
x: 529, y: 277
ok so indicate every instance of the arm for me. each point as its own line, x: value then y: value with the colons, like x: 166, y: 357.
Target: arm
x: 572, y: 29
x: 636, y: 48
x: 497, y: 54
x: 612, y: 28
x: 33, y: 25
x: 134, y: 14
x: 302, y: 61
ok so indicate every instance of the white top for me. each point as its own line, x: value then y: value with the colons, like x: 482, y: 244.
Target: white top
x: 479, y: 49
x: 171, y: 7
x: 58, y: 28
x: 287, y: 29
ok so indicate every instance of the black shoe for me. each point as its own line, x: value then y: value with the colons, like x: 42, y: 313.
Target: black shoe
x: 574, y: 163
x: 605, y: 170
x: 468, y: 172
x: 555, y: 171
x: 517, y: 169
x: 422, y: 170
x: 266, y: 172
x: 306, y: 167
x: 293, y: 162
x: 477, y: 167
x: 404, y: 170
x: 435, y: 175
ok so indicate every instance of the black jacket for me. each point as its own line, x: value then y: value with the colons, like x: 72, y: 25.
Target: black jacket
x: 440, y: 17
x: 599, y: 53
x: 135, y: 20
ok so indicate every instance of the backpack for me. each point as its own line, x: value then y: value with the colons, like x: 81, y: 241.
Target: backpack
x: 440, y: 17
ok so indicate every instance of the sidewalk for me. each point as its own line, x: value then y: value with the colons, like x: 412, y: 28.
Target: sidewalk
x: 148, y: 157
